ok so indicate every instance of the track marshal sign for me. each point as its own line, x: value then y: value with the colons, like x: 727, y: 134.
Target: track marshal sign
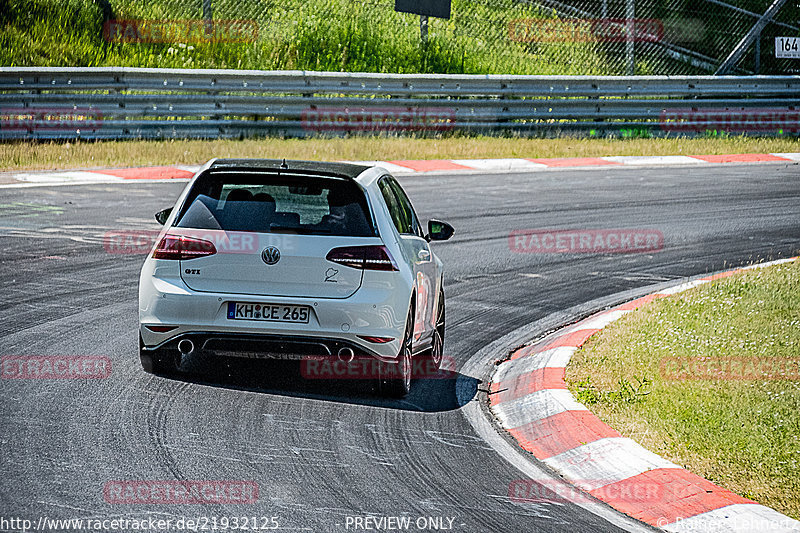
x: 427, y: 8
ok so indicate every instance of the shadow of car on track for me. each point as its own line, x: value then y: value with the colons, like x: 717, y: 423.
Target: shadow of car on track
x: 447, y: 390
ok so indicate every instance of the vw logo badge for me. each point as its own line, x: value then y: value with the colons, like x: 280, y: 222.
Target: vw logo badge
x: 271, y: 255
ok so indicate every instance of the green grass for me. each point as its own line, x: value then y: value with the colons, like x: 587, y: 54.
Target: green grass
x: 54, y: 155
x: 329, y: 35
x: 741, y: 434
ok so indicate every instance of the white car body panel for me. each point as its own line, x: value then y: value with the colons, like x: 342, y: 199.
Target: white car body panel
x: 359, y: 302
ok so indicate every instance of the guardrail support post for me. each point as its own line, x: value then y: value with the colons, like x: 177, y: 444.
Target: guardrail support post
x: 757, y: 66
x: 630, y: 25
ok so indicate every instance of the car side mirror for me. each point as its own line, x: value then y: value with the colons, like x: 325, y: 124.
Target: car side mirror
x: 439, y: 231
x: 163, y: 215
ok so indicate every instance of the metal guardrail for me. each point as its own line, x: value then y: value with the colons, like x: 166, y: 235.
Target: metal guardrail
x: 123, y: 103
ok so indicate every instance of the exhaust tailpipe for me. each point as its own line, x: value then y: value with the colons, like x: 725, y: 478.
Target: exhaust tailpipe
x: 185, y: 347
x: 345, y: 354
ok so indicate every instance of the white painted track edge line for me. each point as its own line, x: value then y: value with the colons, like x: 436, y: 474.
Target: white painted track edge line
x: 475, y: 410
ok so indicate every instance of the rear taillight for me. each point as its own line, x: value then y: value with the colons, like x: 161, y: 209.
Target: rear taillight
x: 181, y: 248
x: 363, y: 257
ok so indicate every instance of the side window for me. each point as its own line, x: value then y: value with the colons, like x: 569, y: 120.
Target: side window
x: 410, y: 222
x: 391, y: 203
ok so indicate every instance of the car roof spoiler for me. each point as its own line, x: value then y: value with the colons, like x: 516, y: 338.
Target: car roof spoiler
x: 284, y: 166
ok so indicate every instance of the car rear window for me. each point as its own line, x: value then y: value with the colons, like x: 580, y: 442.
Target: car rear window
x: 269, y: 203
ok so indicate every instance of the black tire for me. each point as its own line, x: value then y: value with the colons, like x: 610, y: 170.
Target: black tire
x: 431, y: 359
x: 156, y: 362
x: 395, y: 379
x: 437, y: 345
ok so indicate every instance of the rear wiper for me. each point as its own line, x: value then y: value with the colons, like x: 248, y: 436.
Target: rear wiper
x: 277, y: 228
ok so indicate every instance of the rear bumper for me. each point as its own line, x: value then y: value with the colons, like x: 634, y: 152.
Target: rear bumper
x: 377, y: 310
x: 292, y: 348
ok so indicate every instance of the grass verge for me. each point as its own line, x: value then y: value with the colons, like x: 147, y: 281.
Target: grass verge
x: 743, y: 434
x: 38, y: 156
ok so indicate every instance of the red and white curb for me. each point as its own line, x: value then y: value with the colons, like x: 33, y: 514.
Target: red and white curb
x: 111, y: 175
x: 169, y: 173
x: 529, y: 397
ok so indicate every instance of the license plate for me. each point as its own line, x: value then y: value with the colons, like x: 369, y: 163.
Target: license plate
x: 268, y: 312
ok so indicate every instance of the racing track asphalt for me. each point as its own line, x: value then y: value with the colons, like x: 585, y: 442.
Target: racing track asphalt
x: 320, y: 451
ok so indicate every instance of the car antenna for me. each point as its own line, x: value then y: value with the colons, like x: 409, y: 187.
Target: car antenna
x: 284, y: 165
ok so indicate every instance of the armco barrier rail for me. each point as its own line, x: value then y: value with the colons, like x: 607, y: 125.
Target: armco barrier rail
x: 122, y: 103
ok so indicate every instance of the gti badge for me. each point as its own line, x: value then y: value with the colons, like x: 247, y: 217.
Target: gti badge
x: 271, y: 255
